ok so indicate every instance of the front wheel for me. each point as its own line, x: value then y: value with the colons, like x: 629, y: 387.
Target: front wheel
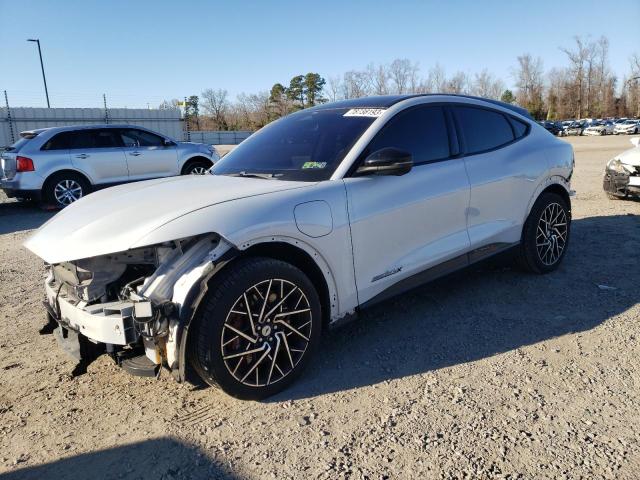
x: 256, y: 328
x: 197, y: 167
x: 545, y: 235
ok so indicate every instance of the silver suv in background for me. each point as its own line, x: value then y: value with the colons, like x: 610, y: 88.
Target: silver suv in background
x: 62, y: 164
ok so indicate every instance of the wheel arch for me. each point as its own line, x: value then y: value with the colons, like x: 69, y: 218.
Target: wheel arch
x: 555, y: 184
x: 290, y: 250
x: 67, y: 170
x: 194, y: 158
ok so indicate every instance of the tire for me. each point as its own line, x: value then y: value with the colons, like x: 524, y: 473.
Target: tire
x: 542, y: 249
x: 281, y: 345
x: 196, y: 167
x: 64, y: 188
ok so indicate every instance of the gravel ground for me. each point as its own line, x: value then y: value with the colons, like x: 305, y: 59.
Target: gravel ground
x: 490, y: 373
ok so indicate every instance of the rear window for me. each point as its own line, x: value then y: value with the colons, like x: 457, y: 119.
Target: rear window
x: 94, y: 139
x: 521, y: 128
x: 59, y: 141
x: 483, y: 129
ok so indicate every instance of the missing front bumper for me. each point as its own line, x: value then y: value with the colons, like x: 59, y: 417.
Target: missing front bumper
x: 621, y: 184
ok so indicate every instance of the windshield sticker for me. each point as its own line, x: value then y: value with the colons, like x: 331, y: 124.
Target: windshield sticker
x: 314, y: 164
x: 364, y: 112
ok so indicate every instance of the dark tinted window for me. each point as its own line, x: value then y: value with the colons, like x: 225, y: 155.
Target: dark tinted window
x: 483, y: 129
x: 307, y: 145
x: 58, y: 142
x: 520, y: 128
x: 421, y: 131
x: 140, y: 138
x: 94, y: 139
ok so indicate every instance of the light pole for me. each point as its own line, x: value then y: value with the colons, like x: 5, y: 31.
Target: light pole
x: 44, y: 79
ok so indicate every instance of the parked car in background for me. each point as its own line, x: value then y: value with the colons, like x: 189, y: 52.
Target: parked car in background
x: 321, y: 213
x: 622, y: 173
x: 62, y: 164
x: 552, y: 127
x: 575, y: 128
x: 599, y: 128
x: 628, y: 127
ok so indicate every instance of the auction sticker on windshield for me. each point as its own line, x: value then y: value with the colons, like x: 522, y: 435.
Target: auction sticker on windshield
x: 364, y: 112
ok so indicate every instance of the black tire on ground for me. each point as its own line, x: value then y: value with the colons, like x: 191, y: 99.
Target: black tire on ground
x: 535, y: 258
x: 64, y: 188
x: 216, y: 348
x: 196, y: 167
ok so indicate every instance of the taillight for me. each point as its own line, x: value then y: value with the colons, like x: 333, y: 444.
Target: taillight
x: 24, y: 164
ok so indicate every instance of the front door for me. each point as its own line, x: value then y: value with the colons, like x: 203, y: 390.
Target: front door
x: 147, y: 155
x: 403, y: 225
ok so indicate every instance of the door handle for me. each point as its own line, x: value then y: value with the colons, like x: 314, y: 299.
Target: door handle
x: 82, y: 155
x: 134, y: 154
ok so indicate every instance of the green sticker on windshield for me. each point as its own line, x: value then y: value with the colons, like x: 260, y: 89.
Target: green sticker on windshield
x: 314, y: 164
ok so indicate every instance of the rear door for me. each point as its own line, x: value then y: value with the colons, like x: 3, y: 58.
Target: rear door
x: 147, y: 156
x: 503, y: 172
x: 98, y: 153
x: 403, y: 225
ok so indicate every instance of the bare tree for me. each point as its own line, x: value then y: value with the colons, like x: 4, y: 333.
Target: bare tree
x: 355, y: 84
x: 334, y: 88
x: 378, y: 79
x: 486, y: 85
x: 215, y: 104
x: 403, y: 75
x: 437, y: 79
x: 458, y: 84
x: 529, y: 80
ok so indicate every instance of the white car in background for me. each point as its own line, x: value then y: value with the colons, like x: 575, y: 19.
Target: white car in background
x: 62, y: 164
x: 311, y: 219
x: 628, y: 127
x: 622, y: 173
x: 599, y: 128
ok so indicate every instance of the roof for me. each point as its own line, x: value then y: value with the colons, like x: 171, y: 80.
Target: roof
x: 386, y: 101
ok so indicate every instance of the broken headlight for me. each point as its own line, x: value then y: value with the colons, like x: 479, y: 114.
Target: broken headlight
x: 617, y: 166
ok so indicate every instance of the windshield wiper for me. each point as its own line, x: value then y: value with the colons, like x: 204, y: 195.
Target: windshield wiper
x: 266, y: 176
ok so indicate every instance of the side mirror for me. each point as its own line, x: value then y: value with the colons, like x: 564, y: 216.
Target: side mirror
x: 635, y: 141
x: 386, y: 161
x: 168, y: 143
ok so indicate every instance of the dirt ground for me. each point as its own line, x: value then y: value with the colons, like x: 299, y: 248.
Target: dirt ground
x: 491, y: 373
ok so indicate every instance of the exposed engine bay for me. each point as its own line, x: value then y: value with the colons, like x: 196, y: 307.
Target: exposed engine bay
x: 129, y: 304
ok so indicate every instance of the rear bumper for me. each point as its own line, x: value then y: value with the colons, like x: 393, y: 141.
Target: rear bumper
x: 22, y: 185
x: 16, y: 193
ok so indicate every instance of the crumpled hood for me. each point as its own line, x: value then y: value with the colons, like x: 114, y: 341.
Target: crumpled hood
x: 630, y: 157
x: 113, y: 219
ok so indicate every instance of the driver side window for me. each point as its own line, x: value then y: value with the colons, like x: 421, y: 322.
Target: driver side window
x: 420, y: 131
x: 140, y: 138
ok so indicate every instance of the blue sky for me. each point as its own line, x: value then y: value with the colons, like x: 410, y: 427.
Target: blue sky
x: 143, y: 51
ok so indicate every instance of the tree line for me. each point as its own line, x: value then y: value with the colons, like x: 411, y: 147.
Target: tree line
x: 584, y: 88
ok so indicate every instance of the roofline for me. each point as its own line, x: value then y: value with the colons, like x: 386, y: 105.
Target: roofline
x: 390, y: 100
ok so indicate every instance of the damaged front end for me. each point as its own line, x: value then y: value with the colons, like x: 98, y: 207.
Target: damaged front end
x: 621, y: 179
x: 134, y: 305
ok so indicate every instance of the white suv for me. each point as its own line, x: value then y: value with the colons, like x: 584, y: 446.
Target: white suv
x: 311, y: 219
x: 62, y: 164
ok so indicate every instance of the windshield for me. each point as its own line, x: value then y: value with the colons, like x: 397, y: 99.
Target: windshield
x: 306, y: 146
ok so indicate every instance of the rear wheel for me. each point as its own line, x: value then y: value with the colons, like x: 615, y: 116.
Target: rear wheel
x: 256, y: 329
x: 64, y: 188
x: 545, y: 235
